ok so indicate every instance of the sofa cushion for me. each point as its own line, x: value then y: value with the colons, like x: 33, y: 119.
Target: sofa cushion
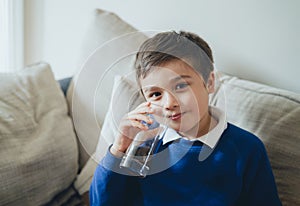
x: 39, y: 156
x: 274, y: 116
x: 125, y: 97
x: 108, y: 49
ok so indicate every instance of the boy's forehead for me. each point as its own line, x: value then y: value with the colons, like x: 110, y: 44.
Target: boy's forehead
x: 168, y: 73
x: 165, y: 73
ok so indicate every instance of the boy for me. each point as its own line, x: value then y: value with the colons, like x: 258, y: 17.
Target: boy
x: 204, y: 160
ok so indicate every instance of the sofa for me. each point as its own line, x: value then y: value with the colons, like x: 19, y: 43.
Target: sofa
x: 54, y: 132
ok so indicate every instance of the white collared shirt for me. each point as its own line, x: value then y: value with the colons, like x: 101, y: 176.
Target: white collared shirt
x: 211, y: 138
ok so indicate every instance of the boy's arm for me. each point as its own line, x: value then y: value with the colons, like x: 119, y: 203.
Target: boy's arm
x: 259, y: 186
x: 111, y: 186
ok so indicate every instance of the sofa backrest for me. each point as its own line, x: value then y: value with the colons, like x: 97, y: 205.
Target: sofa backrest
x: 274, y: 116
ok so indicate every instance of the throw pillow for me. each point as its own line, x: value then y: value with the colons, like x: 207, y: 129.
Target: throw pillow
x: 274, y: 116
x: 38, y: 145
x: 108, y: 50
x: 124, y: 98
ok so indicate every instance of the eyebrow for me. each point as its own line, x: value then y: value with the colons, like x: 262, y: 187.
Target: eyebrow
x: 180, y: 77
x: 150, y: 88
x: 147, y: 89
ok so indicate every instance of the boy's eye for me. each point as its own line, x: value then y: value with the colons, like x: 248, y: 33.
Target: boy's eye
x: 154, y: 94
x: 181, y: 86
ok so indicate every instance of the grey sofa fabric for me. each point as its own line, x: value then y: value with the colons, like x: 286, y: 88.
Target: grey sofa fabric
x: 64, y: 84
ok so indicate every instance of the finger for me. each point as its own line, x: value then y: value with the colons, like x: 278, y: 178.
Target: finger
x: 142, y: 110
x: 132, y: 122
x: 142, y: 106
x: 139, y: 118
x: 139, y: 125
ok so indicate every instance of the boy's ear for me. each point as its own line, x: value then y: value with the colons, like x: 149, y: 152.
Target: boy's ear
x: 211, y: 83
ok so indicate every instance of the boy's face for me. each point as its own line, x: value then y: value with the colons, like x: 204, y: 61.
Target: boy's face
x: 182, y: 95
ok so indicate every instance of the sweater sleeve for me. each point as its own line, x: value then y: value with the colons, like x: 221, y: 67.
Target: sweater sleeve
x: 259, y: 183
x: 111, y: 186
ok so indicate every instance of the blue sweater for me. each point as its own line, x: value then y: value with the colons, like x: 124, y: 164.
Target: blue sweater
x: 237, y: 172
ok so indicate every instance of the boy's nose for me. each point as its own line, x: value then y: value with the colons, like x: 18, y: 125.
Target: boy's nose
x: 169, y: 101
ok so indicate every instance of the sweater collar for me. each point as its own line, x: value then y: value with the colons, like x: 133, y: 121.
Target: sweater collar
x: 211, y: 138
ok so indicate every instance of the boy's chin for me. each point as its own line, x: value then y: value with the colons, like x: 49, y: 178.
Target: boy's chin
x: 185, y: 132
x: 186, y: 127
x: 189, y: 132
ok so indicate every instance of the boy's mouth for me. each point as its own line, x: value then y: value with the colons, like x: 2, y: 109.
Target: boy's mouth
x: 176, y: 116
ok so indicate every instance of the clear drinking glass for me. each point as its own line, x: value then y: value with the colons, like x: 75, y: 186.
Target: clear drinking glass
x: 144, y: 145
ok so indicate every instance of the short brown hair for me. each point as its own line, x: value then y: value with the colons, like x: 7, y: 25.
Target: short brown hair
x: 167, y: 46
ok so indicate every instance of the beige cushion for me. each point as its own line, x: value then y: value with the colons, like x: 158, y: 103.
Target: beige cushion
x: 38, y: 147
x: 108, y: 50
x: 124, y: 98
x: 274, y: 116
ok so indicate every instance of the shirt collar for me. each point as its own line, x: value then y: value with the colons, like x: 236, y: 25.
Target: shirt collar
x: 211, y: 138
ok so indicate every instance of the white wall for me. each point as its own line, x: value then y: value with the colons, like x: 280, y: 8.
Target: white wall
x: 253, y: 39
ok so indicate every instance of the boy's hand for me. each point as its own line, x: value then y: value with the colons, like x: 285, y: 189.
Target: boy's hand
x: 129, y: 126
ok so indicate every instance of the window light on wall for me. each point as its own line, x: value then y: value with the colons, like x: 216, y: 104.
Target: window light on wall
x: 11, y: 35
